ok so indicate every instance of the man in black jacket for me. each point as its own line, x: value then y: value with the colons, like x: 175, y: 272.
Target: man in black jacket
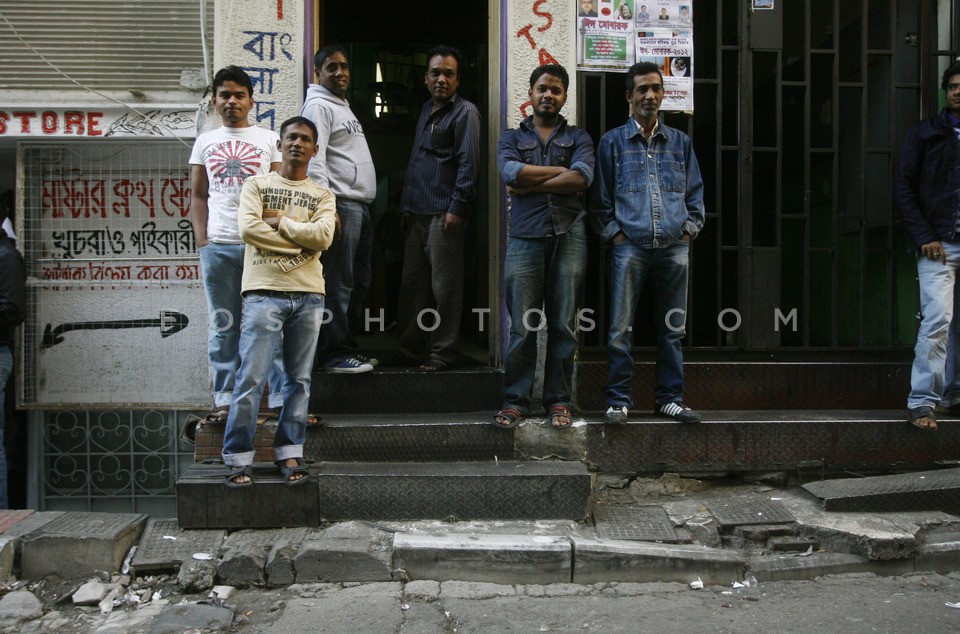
x: 927, y: 194
x: 12, y: 310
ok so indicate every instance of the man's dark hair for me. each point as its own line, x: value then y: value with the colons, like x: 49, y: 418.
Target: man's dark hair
x: 556, y: 70
x: 299, y: 121
x: 235, y: 74
x: 642, y: 68
x: 446, y: 51
x: 952, y: 69
x: 327, y: 51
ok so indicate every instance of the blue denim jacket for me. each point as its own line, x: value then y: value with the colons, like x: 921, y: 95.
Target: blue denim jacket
x: 651, y: 190
x: 539, y: 215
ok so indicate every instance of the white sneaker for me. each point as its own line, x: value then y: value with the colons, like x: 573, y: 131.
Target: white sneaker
x: 615, y: 415
x: 349, y: 365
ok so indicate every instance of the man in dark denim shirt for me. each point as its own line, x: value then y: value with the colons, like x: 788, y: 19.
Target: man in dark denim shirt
x: 438, y: 195
x: 927, y: 192
x: 649, y: 206
x: 546, y: 165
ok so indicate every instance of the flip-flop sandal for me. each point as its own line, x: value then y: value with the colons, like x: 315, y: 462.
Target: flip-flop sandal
x: 287, y: 473
x: 233, y: 473
x: 436, y: 365
x: 555, y: 413
x: 923, y: 420
x: 218, y: 416
x: 511, y: 415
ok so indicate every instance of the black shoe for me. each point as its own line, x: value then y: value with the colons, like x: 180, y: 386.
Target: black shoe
x: 616, y: 415
x: 949, y: 410
x: 679, y: 411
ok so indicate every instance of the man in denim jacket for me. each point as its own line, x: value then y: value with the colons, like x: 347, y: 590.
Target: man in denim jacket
x: 546, y: 165
x: 926, y: 190
x: 649, y: 206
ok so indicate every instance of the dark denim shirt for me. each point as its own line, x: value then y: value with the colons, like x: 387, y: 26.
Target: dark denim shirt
x: 540, y: 214
x: 926, y: 186
x: 651, y: 190
x: 445, y: 160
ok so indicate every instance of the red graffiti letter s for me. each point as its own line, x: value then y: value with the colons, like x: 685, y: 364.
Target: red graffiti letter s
x: 544, y: 14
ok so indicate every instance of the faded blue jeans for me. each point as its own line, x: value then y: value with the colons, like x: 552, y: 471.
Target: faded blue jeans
x: 222, y: 269
x: 543, y: 279
x: 934, y: 378
x: 6, y: 367
x: 266, y: 316
x: 347, y: 272
x: 667, y: 268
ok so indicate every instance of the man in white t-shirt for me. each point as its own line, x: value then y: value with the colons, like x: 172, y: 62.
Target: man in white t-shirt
x: 221, y: 161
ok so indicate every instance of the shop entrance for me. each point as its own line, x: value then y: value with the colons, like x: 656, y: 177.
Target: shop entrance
x: 387, y: 43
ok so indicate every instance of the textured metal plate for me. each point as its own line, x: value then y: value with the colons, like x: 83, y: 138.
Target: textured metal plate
x: 407, y: 390
x: 204, y: 502
x: 92, y: 525
x: 749, y: 510
x: 762, y: 385
x: 429, y: 437
x: 164, y: 546
x: 921, y: 491
x: 641, y: 523
x: 472, y: 490
x: 768, y: 440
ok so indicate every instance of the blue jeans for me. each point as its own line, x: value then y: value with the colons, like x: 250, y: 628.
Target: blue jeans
x: 222, y: 269
x: 266, y: 316
x: 934, y: 378
x: 347, y: 272
x: 542, y: 274
x: 667, y: 268
x: 6, y: 367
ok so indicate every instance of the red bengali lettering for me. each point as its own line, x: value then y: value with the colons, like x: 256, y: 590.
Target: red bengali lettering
x: 175, y: 197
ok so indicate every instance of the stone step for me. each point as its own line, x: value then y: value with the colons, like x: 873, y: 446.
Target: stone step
x: 422, y: 437
x: 736, y: 441
x: 407, y: 390
x: 918, y: 491
x: 386, y: 491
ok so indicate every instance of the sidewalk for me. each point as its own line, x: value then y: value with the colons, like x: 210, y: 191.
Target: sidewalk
x: 698, y: 531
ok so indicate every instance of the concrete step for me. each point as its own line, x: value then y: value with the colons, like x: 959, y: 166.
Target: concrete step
x: 737, y: 441
x: 407, y: 390
x: 385, y: 491
x: 918, y: 491
x: 398, y: 437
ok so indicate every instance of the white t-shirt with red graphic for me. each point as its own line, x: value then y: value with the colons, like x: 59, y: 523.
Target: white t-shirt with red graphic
x: 230, y: 156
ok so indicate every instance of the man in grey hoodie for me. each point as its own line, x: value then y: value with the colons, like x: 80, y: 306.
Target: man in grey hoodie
x: 343, y: 165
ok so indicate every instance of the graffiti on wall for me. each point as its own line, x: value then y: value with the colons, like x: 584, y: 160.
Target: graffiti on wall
x: 269, y: 49
x: 71, y: 123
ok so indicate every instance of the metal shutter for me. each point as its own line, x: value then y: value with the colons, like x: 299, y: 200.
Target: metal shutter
x: 141, y: 45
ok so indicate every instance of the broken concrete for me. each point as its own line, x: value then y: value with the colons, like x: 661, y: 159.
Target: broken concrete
x: 196, y: 576
x: 349, y: 551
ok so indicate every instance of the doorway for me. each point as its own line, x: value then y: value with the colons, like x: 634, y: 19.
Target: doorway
x: 387, y: 44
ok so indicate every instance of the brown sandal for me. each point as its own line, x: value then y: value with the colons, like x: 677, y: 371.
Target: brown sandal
x: 558, y: 412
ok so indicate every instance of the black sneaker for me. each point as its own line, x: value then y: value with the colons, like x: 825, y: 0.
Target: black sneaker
x: 616, y: 415
x: 949, y: 410
x: 679, y: 411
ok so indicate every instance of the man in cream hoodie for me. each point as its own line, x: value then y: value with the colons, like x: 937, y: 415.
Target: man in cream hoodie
x: 343, y: 164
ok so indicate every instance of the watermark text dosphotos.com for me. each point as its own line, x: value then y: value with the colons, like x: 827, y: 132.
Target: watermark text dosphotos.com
x: 428, y: 319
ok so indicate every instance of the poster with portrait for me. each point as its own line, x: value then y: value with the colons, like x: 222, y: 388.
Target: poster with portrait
x: 615, y: 34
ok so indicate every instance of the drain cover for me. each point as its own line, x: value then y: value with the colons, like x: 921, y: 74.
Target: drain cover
x: 641, y: 523
x: 749, y: 510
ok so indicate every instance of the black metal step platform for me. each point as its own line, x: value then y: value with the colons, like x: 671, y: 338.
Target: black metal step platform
x: 400, y: 390
x: 918, y: 491
x: 387, y: 491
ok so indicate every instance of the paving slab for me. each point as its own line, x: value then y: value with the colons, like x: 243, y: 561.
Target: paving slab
x: 176, y: 619
x: 10, y: 517
x: 345, y: 552
x: 748, y: 510
x: 511, y: 559
x: 8, y: 556
x: 164, y: 546
x: 245, y: 554
x: 796, y: 568
x: 871, y: 535
x: 603, y: 560
x: 918, y: 491
x: 940, y: 553
x: 76, y: 544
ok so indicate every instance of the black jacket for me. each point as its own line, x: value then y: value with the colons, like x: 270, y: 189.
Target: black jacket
x: 926, y: 187
x: 12, y: 291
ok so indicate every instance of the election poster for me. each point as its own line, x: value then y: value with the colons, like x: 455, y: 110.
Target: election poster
x: 614, y: 34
